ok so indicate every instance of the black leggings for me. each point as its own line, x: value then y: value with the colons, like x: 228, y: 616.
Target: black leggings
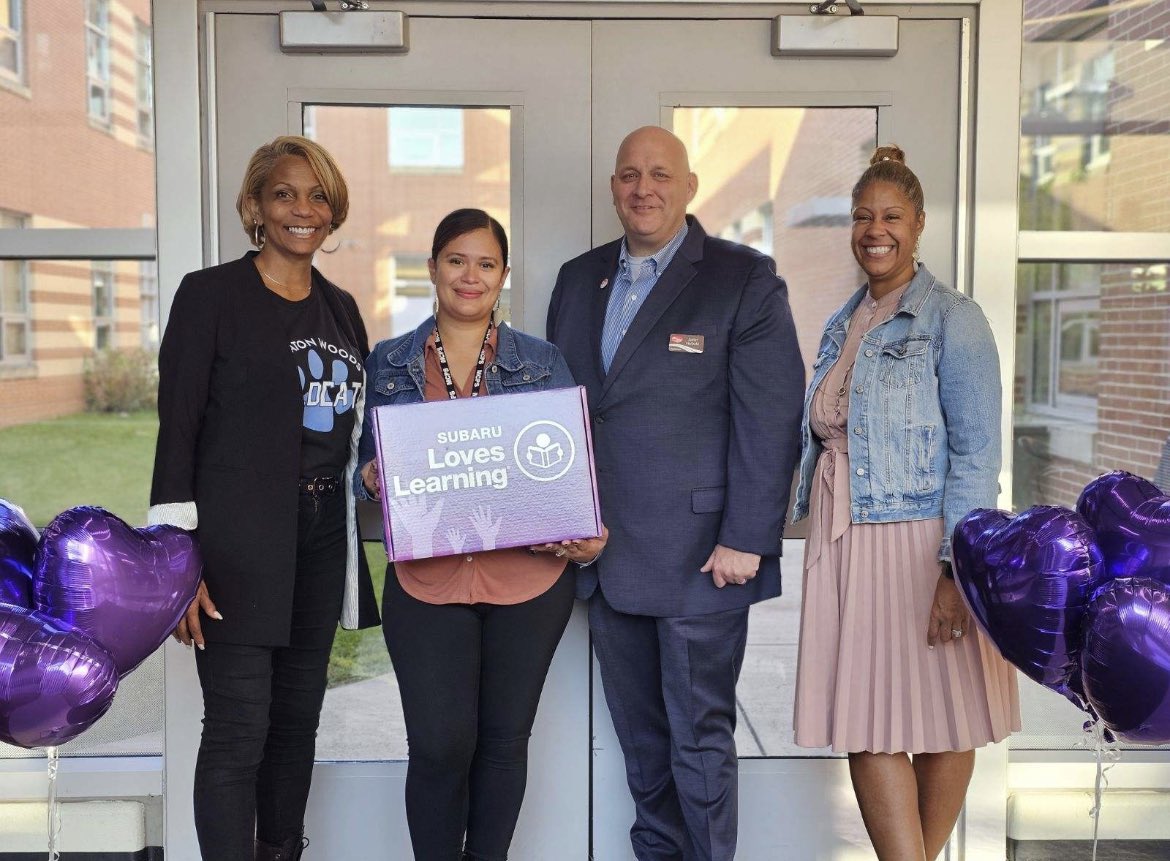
x: 261, y: 704
x: 470, y: 677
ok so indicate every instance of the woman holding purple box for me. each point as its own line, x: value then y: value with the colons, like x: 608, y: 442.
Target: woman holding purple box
x: 471, y: 635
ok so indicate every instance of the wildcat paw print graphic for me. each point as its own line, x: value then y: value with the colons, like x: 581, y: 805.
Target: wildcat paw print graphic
x: 326, y: 398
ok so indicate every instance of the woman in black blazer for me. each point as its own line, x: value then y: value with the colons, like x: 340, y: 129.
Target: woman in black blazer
x: 261, y: 396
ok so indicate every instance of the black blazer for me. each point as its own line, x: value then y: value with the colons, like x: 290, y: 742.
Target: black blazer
x: 229, y: 449
x: 691, y: 449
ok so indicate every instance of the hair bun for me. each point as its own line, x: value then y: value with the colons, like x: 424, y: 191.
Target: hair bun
x: 889, y: 152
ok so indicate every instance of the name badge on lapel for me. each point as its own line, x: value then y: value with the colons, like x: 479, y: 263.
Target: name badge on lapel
x: 685, y: 344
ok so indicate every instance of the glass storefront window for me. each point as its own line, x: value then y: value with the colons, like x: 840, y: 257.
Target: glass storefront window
x: 1095, y: 144
x: 406, y: 168
x: 779, y: 180
x: 78, y: 427
x: 1092, y: 394
x: 1092, y: 389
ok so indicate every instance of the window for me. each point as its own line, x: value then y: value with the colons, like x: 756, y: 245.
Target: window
x: 381, y: 257
x: 426, y: 138
x: 103, y: 305
x: 1093, y: 118
x: 97, y: 59
x: 437, y: 158
x: 1064, y: 309
x: 11, y: 41
x: 59, y: 448
x: 1092, y: 385
x: 148, y: 311
x: 143, y: 54
x: 411, y: 293
x: 753, y: 230
x: 14, y: 345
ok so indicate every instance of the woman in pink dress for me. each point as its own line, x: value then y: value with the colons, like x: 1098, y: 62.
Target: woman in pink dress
x: 901, y: 439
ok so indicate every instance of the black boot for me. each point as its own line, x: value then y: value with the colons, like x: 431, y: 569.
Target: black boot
x: 289, y: 850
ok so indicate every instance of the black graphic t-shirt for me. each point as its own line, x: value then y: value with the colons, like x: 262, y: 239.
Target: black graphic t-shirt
x: 330, y: 374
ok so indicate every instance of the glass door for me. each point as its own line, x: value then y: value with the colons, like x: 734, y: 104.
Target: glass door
x: 523, y: 118
x: 777, y: 145
x: 489, y: 114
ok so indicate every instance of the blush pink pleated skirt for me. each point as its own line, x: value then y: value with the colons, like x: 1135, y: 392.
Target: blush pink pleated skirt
x: 866, y: 680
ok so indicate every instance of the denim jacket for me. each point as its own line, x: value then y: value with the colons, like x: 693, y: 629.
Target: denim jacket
x: 396, y: 374
x: 924, y: 412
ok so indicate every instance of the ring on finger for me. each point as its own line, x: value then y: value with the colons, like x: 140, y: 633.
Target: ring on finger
x: 956, y: 632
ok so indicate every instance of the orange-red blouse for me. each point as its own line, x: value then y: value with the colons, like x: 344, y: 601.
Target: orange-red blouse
x: 506, y: 576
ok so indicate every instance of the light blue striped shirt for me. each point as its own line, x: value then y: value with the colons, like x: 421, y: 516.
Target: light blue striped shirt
x: 625, y: 300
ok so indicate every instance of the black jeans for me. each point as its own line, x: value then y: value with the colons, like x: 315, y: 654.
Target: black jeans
x: 261, y: 705
x: 470, y: 677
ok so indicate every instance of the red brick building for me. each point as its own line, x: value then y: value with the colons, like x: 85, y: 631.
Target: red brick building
x: 76, y: 127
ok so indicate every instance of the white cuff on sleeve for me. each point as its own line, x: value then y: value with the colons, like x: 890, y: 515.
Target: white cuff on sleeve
x: 181, y: 514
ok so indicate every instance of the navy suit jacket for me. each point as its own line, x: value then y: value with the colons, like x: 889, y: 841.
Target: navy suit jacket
x: 692, y: 449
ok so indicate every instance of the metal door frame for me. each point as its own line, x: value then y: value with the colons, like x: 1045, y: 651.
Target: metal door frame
x: 184, y: 161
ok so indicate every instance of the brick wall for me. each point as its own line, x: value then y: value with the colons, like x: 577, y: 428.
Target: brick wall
x: 63, y: 169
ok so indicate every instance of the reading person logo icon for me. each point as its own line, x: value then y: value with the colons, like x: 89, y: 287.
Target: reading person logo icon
x: 544, y: 450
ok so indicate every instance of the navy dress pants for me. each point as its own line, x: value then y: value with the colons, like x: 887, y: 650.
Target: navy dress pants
x: 670, y: 686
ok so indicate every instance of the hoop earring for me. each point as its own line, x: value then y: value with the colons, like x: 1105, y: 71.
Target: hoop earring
x: 496, y: 311
x: 917, y: 248
x: 257, y: 234
x: 435, y: 309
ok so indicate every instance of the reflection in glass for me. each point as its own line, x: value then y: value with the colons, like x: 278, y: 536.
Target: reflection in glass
x: 1092, y: 394
x: 426, y: 138
x: 14, y: 320
x: 779, y: 180
x: 79, y: 428
x: 406, y: 168
x: 1094, y: 137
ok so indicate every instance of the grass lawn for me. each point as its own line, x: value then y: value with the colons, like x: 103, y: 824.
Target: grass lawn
x: 85, y: 459
x: 107, y: 460
x: 361, y: 655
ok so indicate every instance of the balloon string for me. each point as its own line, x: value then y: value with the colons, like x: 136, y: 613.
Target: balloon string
x: 54, y: 808
x: 1102, y: 750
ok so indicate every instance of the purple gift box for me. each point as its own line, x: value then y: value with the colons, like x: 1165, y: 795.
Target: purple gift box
x: 484, y: 473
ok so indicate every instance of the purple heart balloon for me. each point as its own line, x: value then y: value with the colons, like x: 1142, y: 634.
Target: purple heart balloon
x: 55, y: 682
x: 1131, y: 517
x: 969, y: 558
x: 127, y: 588
x: 1126, y: 659
x: 1027, y: 581
x: 18, y: 546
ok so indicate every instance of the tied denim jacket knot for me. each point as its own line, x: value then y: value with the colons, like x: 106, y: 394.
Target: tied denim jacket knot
x: 396, y: 374
x: 924, y: 411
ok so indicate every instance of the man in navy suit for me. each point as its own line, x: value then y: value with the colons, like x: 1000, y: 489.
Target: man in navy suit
x: 688, y: 351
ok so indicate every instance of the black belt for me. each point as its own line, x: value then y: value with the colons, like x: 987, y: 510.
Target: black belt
x: 318, y: 487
